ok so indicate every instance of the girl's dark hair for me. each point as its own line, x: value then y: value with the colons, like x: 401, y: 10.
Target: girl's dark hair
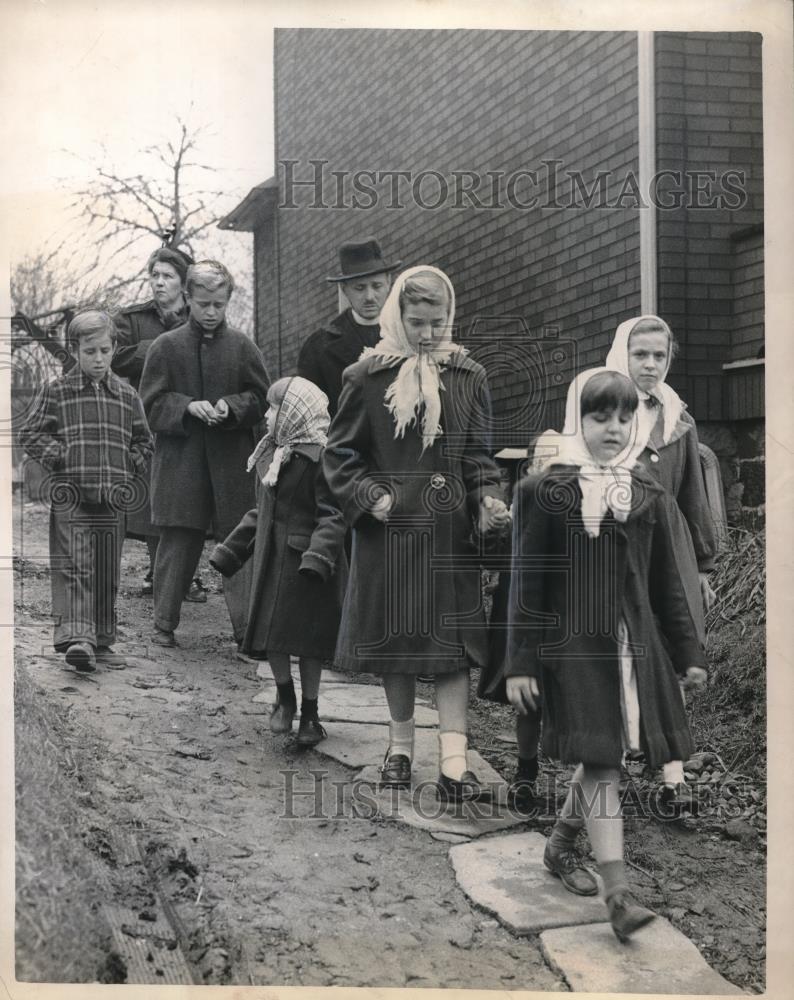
x: 608, y: 391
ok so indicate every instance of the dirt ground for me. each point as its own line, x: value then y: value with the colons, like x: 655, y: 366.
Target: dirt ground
x: 160, y: 787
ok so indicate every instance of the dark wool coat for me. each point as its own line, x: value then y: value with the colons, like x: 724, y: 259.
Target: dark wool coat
x: 676, y: 466
x: 568, y: 593
x: 413, y: 602
x: 328, y: 351
x: 296, y: 537
x: 198, y: 472
x: 136, y: 327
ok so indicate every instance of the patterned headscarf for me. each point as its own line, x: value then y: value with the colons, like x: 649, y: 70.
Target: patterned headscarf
x: 417, y: 385
x: 302, y: 419
x: 672, y: 404
x: 604, y: 485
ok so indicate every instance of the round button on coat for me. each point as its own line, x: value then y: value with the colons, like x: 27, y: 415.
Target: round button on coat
x: 437, y: 481
x: 654, y: 458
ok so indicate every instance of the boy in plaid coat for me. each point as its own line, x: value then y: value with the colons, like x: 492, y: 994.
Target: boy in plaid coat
x: 89, y: 431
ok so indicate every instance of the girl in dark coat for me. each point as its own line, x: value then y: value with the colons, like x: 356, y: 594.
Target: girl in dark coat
x: 296, y: 537
x: 413, y: 604
x: 137, y: 326
x: 667, y: 447
x: 594, y: 569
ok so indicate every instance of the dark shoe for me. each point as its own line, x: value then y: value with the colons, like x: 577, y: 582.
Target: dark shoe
x: 468, y: 789
x: 162, y: 638
x: 281, y: 718
x: 627, y: 916
x: 106, y: 656
x: 395, y: 772
x: 310, y: 732
x: 568, y: 867
x: 678, y: 800
x: 80, y: 655
x: 522, y: 795
x: 197, y: 594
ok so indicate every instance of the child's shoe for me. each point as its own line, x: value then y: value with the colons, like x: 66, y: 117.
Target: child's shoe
x: 627, y: 916
x: 310, y: 732
x: 522, y: 794
x: 160, y: 637
x: 395, y: 771
x: 568, y: 867
x: 80, y: 655
x: 281, y: 718
x: 468, y: 789
x: 678, y: 800
x: 196, y: 592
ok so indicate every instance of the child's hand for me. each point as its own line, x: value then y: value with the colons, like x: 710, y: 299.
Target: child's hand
x: 708, y: 595
x: 221, y: 409
x: 203, y: 410
x: 523, y: 694
x: 493, y: 514
x: 382, y: 506
x: 695, y: 677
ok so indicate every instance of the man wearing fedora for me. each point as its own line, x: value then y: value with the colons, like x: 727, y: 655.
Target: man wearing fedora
x: 365, y: 278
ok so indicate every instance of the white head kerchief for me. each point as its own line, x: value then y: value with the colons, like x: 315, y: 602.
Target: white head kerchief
x: 672, y: 405
x: 417, y: 384
x: 604, y: 485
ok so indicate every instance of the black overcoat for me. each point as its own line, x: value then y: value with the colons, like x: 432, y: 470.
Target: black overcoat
x: 329, y: 350
x: 198, y: 472
x: 413, y: 602
x: 296, y: 538
x: 137, y: 326
x: 569, y: 591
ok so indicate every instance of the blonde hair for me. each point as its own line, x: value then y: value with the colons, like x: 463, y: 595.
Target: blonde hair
x: 210, y: 275
x: 656, y: 326
x: 88, y: 322
x: 424, y: 286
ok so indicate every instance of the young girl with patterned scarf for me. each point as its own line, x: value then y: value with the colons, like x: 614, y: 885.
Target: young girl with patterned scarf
x: 296, y: 539
x: 594, y: 571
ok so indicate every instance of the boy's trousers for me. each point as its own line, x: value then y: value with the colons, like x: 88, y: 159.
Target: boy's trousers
x: 178, y: 555
x: 85, y: 563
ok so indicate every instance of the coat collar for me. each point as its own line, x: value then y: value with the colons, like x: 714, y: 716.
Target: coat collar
x: 78, y: 380
x: 201, y: 333
x: 644, y: 488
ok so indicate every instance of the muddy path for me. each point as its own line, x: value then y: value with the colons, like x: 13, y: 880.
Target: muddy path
x: 177, y: 812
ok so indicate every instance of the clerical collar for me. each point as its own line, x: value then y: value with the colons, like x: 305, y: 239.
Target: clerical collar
x: 364, y: 322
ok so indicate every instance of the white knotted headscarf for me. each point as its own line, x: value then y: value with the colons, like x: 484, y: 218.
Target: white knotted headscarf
x: 302, y: 419
x: 604, y: 485
x: 672, y: 404
x: 417, y: 385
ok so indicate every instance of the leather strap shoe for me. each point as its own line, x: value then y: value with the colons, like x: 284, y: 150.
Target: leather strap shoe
x: 568, y: 867
x: 626, y: 915
x: 395, y: 772
x: 468, y: 789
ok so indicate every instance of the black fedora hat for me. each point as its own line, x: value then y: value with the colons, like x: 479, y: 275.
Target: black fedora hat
x: 361, y: 258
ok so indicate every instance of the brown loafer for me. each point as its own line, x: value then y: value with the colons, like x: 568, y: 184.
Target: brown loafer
x: 627, y: 916
x: 395, y: 772
x: 568, y: 867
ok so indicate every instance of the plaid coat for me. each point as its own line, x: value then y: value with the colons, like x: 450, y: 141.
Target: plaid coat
x: 198, y: 472
x: 93, y: 436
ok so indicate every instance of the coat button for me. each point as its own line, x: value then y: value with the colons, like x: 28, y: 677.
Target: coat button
x: 437, y: 482
x: 654, y: 458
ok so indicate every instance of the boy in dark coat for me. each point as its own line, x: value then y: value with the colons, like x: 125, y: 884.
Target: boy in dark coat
x: 204, y: 386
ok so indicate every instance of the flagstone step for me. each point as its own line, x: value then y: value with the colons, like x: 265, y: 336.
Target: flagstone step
x: 657, y: 959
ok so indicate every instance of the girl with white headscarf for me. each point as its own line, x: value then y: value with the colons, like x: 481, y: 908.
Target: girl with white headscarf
x: 594, y: 588
x: 667, y: 446
x: 409, y: 462
x: 295, y: 539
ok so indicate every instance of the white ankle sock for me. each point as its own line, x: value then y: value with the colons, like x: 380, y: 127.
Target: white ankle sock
x: 452, y: 750
x: 401, y: 738
x: 673, y: 772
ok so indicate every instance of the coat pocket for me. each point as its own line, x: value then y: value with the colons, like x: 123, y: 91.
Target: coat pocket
x: 299, y: 542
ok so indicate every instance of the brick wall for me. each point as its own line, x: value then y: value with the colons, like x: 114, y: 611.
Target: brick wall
x: 708, y: 104
x: 447, y: 101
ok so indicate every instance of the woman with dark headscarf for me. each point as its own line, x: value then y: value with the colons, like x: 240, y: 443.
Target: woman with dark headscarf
x: 137, y: 327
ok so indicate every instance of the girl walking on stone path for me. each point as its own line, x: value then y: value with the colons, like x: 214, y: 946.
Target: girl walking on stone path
x: 667, y: 447
x: 594, y: 570
x: 409, y: 462
x: 296, y: 537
